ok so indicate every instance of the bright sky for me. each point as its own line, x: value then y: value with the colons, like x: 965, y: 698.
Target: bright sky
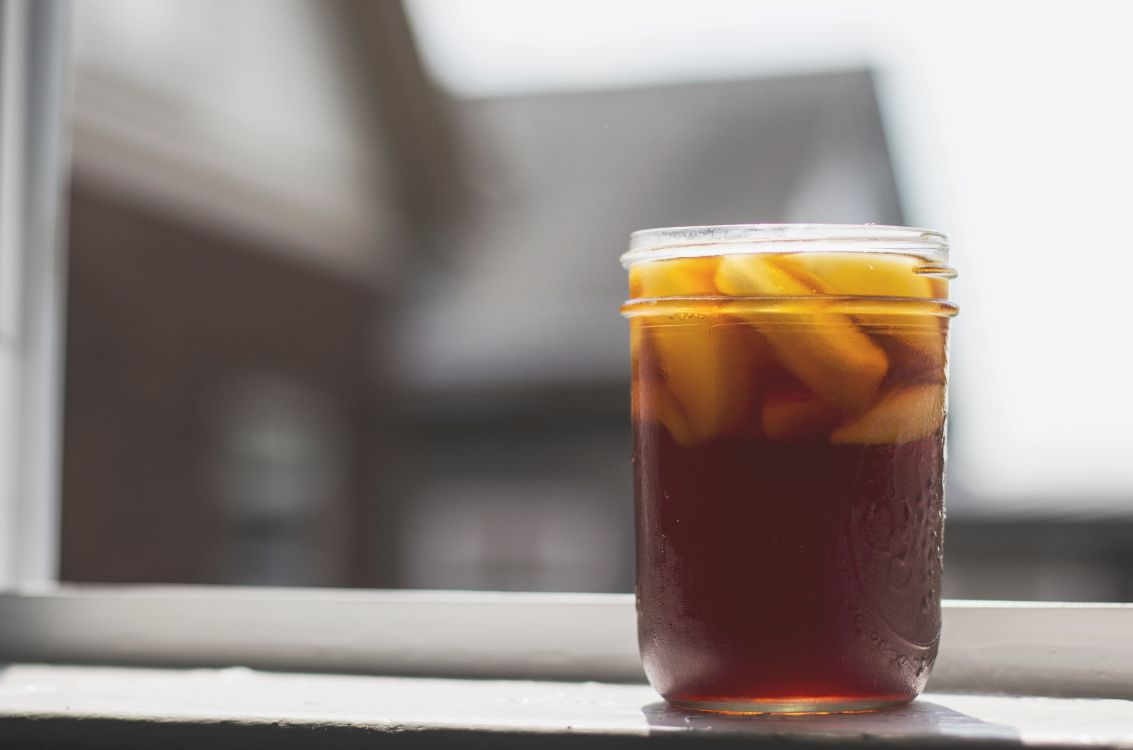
x: 1012, y: 130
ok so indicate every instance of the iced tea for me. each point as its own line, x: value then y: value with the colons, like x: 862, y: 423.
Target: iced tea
x: 788, y: 408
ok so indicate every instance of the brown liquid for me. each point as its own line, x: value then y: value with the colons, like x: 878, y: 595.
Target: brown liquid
x: 789, y: 450
x: 788, y: 572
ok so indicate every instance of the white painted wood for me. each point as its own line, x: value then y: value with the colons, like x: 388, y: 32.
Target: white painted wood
x: 1068, y: 650
x: 33, y: 76
x: 587, y: 711
x: 12, y: 86
x: 1036, y: 648
x: 557, y: 636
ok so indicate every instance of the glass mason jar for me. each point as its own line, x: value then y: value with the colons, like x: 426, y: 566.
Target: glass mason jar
x: 789, y: 398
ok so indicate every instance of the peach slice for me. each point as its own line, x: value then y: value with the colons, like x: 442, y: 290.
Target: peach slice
x: 678, y: 277
x: 653, y: 403
x: 826, y: 351
x: 797, y: 416
x: 866, y: 274
x: 900, y: 416
x: 676, y: 421
x: 651, y: 400
x: 877, y: 275
x: 707, y: 367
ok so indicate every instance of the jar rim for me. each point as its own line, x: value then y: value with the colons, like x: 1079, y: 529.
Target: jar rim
x: 726, y: 239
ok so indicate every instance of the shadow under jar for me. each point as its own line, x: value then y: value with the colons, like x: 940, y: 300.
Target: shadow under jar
x: 789, y: 401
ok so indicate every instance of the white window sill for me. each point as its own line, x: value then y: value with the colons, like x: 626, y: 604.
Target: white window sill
x: 239, y: 707
x: 1024, y: 648
x: 211, y: 639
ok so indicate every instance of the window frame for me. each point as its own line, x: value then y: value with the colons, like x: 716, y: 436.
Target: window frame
x: 1031, y: 647
x: 33, y: 155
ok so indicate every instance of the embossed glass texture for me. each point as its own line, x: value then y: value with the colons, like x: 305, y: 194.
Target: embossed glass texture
x: 789, y: 399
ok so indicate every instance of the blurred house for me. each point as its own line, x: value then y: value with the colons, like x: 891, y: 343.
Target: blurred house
x: 266, y: 386
x: 331, y: 325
